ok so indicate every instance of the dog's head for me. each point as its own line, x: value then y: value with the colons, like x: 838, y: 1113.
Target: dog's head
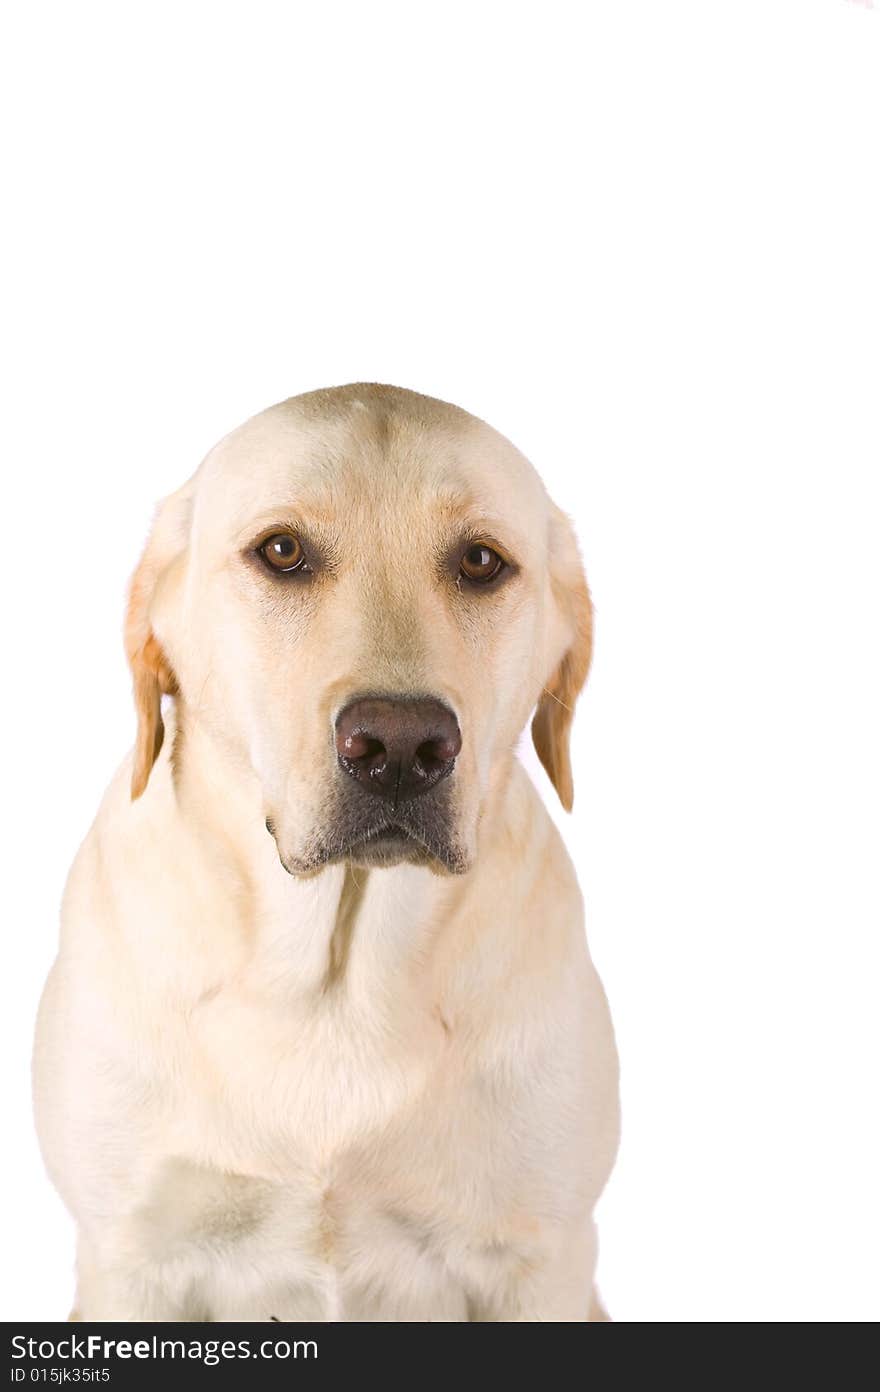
x: 362, y: 594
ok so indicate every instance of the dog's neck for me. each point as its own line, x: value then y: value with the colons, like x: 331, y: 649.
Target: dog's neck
x: 343, y: 930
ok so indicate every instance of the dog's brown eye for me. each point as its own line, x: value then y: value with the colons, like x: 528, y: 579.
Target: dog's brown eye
x: 481, y: 563
x: 283, y: 552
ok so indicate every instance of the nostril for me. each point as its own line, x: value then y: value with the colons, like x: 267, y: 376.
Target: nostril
x: 360, y: 745
x: 435, y: 754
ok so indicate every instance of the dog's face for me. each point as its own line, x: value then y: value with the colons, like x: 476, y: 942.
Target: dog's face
x: 361, y: 595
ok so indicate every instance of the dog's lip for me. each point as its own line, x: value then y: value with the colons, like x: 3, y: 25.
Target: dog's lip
x: 392, y: 832
x: 389, y: 838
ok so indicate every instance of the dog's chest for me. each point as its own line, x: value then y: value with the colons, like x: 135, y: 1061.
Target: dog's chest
x: 321, y: 1194
x: 236, y: 1247
x: 359, y: 1235
x: 271, y: 1088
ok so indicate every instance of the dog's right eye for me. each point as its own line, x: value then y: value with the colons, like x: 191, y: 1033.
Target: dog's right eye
x: 283, y: 552
x: 481, y: 564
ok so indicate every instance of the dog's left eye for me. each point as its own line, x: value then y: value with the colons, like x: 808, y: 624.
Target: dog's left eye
x: 283, y: 552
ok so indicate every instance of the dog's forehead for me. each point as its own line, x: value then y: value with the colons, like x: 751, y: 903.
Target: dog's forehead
x: 366, y: 456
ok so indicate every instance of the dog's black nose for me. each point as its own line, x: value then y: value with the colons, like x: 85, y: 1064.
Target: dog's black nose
x: 395, y: 747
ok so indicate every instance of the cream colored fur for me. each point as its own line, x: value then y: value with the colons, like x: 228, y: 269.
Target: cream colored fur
x: 339, y: 1092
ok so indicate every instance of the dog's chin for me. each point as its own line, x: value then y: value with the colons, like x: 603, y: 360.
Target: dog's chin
x: 393, y: 846
x: 381, y: 849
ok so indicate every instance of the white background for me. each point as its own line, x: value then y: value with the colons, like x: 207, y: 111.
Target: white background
x: 641, y: 238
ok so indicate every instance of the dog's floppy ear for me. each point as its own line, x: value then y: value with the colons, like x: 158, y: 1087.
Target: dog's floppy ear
x: 551, y: 726
x: 152, y: 674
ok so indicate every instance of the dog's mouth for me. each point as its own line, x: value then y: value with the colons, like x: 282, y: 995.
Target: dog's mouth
x: 382, y: 844
x: 393, y: 843
x: 386, y: 845
x: 362, y: 830
x: 392, y: 832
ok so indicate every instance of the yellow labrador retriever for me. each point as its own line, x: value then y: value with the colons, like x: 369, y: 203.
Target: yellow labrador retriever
x: 323, y: 1039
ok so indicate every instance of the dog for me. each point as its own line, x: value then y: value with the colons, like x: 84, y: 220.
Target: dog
x: 323, y: 1039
